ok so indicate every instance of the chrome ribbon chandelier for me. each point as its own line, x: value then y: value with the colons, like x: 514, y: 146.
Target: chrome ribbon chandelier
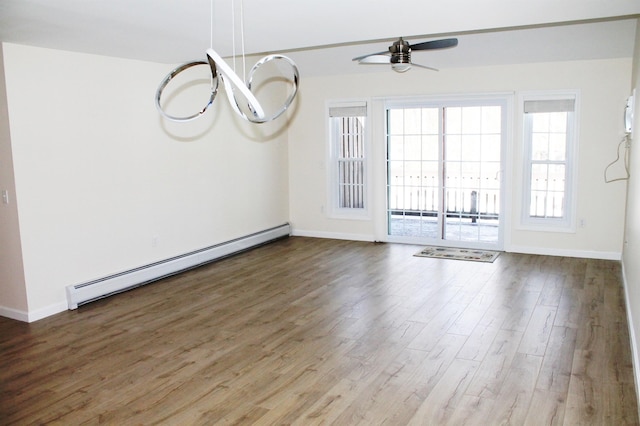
x: 222, y: 72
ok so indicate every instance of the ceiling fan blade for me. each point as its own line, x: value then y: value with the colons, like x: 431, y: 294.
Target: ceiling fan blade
x: 435, y: 44
x: 375, y: 59
x: 424, y: 66
x: 360, y: 58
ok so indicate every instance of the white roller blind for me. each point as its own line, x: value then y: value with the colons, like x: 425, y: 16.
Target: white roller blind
x: 348, y: 111
x: 550, y: 105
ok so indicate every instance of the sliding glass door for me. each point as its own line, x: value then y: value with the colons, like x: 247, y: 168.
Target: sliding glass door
x: 444, y: 165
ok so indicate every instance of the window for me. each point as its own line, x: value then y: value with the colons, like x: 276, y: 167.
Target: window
x: 348, y: 159
x: 549, y: 136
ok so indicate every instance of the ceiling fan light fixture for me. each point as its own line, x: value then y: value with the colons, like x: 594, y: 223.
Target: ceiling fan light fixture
x: 399, y: 54
x: 400, y: 67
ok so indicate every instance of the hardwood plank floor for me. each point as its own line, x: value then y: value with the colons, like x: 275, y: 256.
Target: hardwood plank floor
x: 312, y: 331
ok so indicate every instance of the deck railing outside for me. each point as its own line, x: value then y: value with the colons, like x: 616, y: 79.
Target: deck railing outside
x: 466, y: 199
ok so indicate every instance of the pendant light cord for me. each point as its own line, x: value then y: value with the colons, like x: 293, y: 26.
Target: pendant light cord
x: 244, y: 67
x: 211, y: 40
x: 233, y: 39
x: 211, y: 24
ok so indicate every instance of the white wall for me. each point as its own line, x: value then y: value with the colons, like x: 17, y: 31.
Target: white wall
x: 12, y: 288
x: 104, y: 184
x: 631, y: 254
x: 99, y: 176
x: 603, y: 85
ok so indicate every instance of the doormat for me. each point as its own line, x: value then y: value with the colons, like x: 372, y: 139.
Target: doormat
x: 458, y: 254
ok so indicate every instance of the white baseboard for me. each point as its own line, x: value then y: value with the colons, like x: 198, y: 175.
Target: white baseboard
x: 14, y: 314
x: 47, y: 311
x: 331, y: 235
x: 32, y: 316
x: 587, y: 254
x: 632, y: 336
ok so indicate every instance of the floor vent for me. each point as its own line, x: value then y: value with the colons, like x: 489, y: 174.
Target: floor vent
x: 80, y: 294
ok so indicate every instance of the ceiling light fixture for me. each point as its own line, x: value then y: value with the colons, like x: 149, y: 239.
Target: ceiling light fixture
x: 221, y: 71
x: 399, y: 54
x: 401, y: 67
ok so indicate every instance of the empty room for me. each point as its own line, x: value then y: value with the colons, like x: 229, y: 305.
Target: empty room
x: 355, y: 212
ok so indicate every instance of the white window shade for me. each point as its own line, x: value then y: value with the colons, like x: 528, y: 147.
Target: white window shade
x: 549, y: 105
x: 348, y: 111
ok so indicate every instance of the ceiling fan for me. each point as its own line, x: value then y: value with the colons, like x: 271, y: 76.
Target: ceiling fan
x: 399, y: 54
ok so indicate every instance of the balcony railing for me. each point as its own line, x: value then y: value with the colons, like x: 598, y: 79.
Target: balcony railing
x: 467, y: 199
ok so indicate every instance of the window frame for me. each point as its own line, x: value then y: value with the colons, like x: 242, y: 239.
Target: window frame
x: 567, y: 223
x: 503, y: 99
x: 333, y: 140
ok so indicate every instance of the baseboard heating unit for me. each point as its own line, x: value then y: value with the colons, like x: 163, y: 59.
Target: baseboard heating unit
x: 80, y: 294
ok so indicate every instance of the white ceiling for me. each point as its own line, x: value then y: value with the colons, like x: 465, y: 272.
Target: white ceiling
x: 323, y: 36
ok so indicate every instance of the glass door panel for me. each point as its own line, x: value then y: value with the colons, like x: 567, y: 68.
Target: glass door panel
x: 443, y: 174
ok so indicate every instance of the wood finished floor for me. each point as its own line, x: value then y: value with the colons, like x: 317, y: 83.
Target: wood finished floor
x: 311, y: 331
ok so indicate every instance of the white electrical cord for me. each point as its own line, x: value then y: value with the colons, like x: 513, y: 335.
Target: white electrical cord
x: 625, y: 141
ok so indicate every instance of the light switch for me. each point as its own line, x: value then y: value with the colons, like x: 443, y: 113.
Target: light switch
x: 5, y: 196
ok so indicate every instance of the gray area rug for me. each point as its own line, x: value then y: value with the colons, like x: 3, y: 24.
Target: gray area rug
x: 458, y: 254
